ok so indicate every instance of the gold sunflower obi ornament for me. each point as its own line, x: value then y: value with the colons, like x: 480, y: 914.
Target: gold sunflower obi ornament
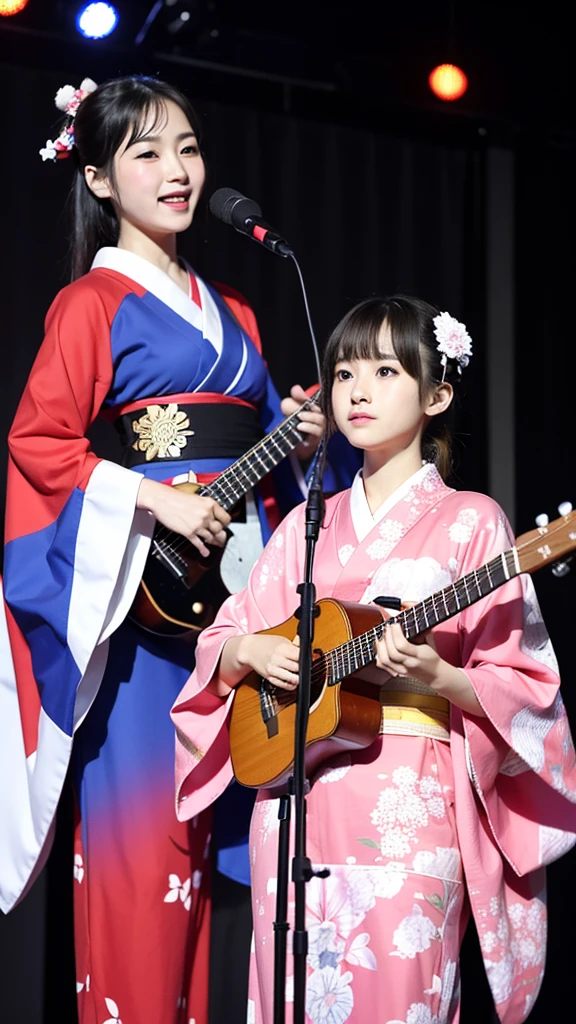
x: 162, y: 432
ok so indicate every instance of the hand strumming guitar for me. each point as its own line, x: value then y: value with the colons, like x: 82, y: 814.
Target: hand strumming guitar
x: 201, y: 520
x: 273, y: 657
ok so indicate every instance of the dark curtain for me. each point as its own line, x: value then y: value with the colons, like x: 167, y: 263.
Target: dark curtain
x: 545, y: 422
x: 365, y: 213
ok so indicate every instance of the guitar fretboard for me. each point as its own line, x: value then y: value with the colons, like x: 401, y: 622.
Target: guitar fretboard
x: 233, y: 483
x: 358, y: 652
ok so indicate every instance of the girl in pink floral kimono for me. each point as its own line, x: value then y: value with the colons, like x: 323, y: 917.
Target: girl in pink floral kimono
x: 470, y: 788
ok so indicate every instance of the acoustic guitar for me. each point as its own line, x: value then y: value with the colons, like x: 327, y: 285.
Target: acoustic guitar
x: 181, y: 591
x: 345, y: 711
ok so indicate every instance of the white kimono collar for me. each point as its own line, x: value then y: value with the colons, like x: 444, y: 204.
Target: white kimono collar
x: 157, y: 282
x: 362, y: 518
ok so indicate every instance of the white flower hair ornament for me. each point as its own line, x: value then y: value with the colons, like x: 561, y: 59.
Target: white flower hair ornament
x: 67, y: 99
x: 453, y: 339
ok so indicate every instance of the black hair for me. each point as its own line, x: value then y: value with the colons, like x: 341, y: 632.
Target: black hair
x: 115, y: 110
x: 410, y: 321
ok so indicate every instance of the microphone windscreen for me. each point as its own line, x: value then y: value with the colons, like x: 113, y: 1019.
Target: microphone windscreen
x: 232, y: 207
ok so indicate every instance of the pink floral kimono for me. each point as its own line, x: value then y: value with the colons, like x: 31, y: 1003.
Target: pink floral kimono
x: 418, y: 827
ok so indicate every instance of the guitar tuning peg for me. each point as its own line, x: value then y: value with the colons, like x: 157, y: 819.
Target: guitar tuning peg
x: 560, y: 569
x: 542, y: 519
x: 565, y: 508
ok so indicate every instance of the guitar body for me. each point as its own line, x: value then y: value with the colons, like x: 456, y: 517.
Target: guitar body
x: 169, y: 604
x: 346, y: 715
x: 180, y: 591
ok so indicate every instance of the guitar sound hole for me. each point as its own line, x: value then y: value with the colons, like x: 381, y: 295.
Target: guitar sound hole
x: 274, y: 699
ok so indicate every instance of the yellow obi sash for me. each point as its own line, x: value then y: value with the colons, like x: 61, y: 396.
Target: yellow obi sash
x: 414, y: 709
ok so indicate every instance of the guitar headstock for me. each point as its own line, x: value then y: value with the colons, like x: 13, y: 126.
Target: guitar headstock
x: 549, y: 542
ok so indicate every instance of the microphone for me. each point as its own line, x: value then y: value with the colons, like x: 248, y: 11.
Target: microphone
x: 246, y: 216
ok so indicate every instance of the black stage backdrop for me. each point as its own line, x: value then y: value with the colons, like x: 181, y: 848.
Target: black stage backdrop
x: 366, y: 213
x: 545, y: 422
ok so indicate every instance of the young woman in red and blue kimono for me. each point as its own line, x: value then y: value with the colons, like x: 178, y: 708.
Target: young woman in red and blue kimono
x: 176, y: 363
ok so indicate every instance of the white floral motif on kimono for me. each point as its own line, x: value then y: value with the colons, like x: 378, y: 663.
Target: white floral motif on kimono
x: 535, y: 642
x: 419, y: 1013
x: 445, y: 865
x: 329, y: 998
x: 78, y: 867
x: 390, y: 531
x: 181, y: 890
x: 523, y: 931
x: 113, y: 1009
x: 554, y: 842
x: 462, y: 529
x: 334, y: 774
x: 409, y: 579
x: 335, y: 907
x: 530, y: 727
x: 414, y: 934
x: 272, y: 566
x: 405, y: 808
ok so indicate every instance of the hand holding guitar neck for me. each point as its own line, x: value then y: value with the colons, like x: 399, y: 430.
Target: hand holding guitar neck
x: 312, y: 421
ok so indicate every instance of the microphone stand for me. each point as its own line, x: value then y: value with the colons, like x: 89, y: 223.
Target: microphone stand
x: 302, y: 870
x: 245, y: 216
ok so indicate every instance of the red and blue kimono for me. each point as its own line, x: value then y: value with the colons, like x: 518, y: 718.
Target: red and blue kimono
x: 119, y: 341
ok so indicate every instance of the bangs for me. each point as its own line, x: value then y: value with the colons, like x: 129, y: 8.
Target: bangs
x: 361, y: 338
x: 150, y: 119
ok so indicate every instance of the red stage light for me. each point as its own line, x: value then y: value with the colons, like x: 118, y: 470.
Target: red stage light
x: 8, y: 7
x: 448, y: 82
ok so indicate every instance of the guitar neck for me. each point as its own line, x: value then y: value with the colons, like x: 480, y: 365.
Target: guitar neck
x: 233, y: 483
x: 358, y: 652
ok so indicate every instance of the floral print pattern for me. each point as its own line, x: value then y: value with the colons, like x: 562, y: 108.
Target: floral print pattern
x: 329, y: 998
x: 463, y: 527
x: 410, y: 579
x: 162, y: 432
x: 414, y: 934
x: 181, y: 890
x: 390, y: 532
x: 404, y: 808
x: 272, y: 563
x: 518, y: 934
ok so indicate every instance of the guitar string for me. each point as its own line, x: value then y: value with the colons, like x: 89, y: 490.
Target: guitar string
x: 287, y: 431
x: 344, y: 660
x: 227, y: 497
x: 359, y: 651
x: 283, y: 430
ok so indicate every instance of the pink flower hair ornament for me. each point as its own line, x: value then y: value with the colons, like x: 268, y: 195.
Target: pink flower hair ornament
x: 453, y: 339
x: 67, y: 99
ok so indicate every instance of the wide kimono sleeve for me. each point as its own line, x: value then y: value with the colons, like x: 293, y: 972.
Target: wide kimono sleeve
x: 75, y: 550
x: 203, y: 765
x: 520, y: 758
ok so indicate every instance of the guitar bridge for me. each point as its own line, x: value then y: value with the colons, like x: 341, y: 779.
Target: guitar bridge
x: 268, y: 708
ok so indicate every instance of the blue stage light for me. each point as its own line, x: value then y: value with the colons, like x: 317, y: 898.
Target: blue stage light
x: 97, y: 20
